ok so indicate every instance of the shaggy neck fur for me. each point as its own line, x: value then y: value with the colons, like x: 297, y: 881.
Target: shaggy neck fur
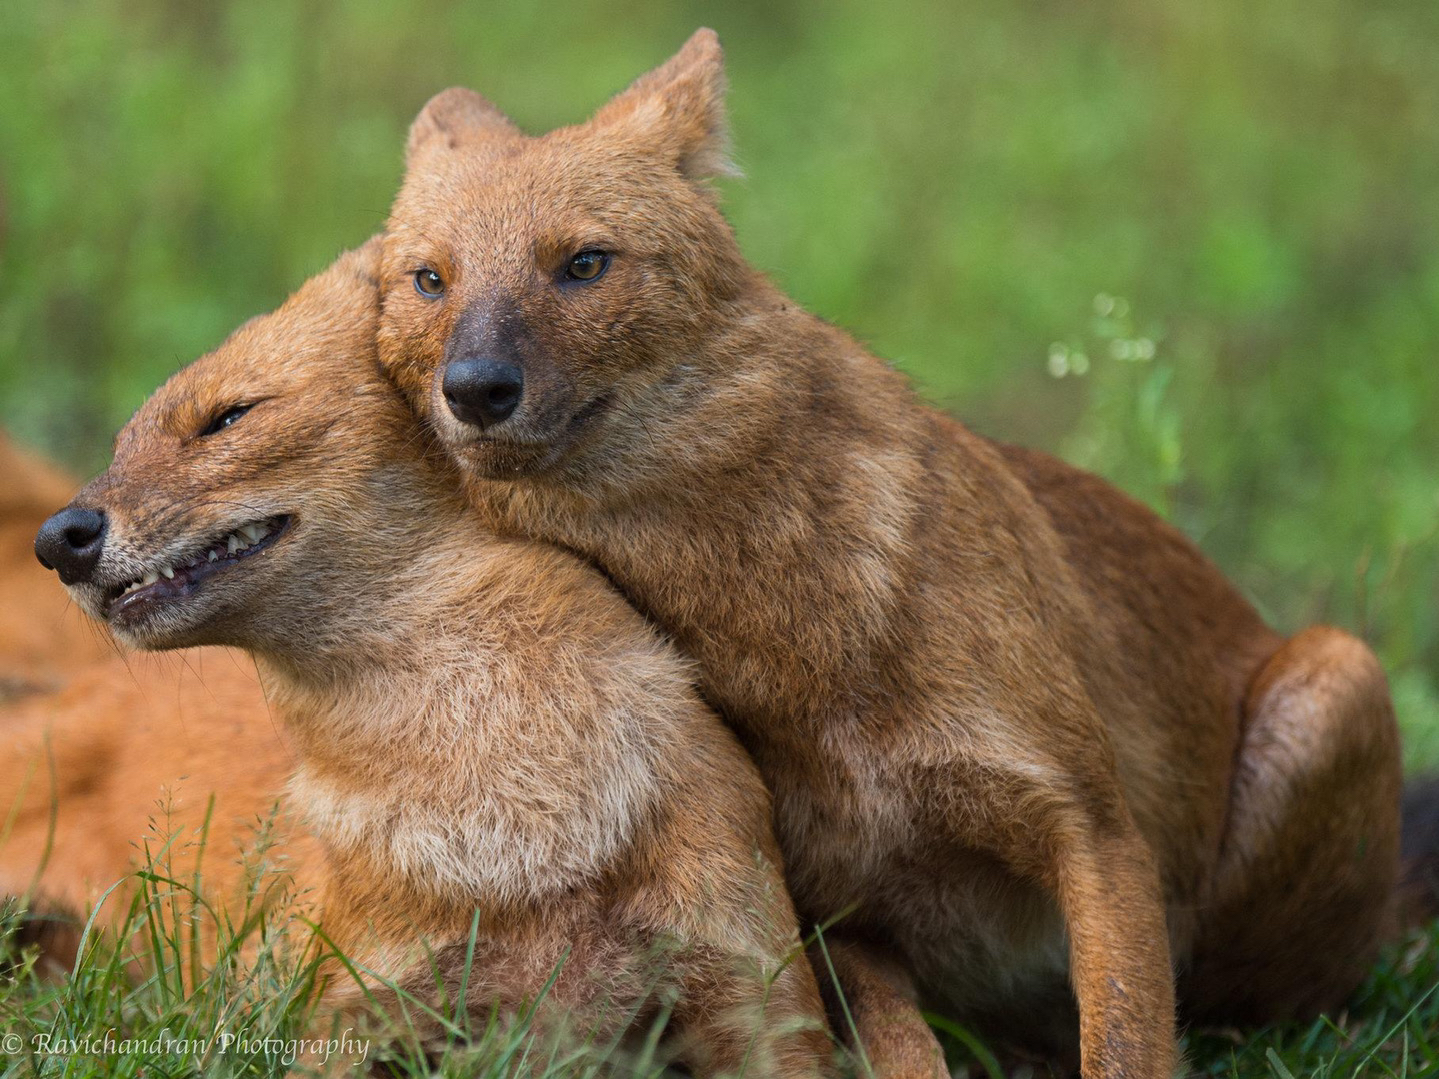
x: 425, y: 749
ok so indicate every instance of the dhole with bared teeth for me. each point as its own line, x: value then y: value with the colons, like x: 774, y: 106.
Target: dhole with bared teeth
x: 1019, y: 724
x: 480, y: 725
x: 97, y: 746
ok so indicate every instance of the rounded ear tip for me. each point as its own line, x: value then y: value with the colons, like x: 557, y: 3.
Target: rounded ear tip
x: 456, y: 114
x: 704, y: 42
x: 456, y: 101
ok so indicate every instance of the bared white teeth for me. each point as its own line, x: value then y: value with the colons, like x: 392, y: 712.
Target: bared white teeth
x: 246, y: 536
x: 243, y: 538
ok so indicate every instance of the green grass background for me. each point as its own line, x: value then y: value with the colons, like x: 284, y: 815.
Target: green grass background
x: 1194, y: 246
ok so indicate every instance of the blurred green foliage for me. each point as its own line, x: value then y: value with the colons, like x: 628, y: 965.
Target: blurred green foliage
x: 1253, y: 189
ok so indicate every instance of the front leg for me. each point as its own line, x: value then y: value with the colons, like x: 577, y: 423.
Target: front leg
x: 1108, y: 889
x: 734, y: 1018
x: 872, y: 1000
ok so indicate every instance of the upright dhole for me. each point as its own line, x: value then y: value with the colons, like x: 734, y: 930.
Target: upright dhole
x: 480, y: 725
x: 1017, y: 723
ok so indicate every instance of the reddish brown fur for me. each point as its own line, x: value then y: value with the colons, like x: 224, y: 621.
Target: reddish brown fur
x: 42, y: 636
x: 1022, y: 725
x: 103, y: 752
x: 134, y: 750
x: 479, y: 724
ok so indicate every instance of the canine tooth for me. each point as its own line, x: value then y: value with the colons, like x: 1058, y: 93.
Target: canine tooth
x: 253, y: 533
x: 167, y: 573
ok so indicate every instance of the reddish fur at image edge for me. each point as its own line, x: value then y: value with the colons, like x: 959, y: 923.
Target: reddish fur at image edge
x: 1017, y: 724
x: 97, y: 746
x: 472, y: 723
x: 143, y: 750
x: 42, y: 636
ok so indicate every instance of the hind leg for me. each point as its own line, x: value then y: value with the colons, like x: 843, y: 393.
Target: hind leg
x: 1298, y: 900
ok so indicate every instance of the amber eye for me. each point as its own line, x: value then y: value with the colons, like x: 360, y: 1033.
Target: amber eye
x: 429, y: 284
x: 227, y: 418
x: 587, y: 266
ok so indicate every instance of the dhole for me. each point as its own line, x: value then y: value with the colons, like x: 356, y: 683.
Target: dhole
x: 102, y: 752
x: 1019, y: 724
x: 479, y: 724
x: 180, y: 751
x: 42, y: 638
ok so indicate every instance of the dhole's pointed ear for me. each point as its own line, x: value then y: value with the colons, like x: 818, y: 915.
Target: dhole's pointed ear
x: 678, y: 108
x: 452, y: 118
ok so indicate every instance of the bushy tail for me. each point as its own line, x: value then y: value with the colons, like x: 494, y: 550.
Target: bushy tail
x: 1419, y: 868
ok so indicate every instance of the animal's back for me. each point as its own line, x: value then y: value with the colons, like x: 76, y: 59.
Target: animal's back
x: 1175, y: 647
x: 28, y: 483
x: 135, y: 749
x: 42, y: 636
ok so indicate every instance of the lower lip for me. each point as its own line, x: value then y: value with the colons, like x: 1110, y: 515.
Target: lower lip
x: 135, y: 606
x: 576, y: 423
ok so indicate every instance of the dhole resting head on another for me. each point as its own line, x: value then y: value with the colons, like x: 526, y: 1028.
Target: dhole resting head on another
x: 480, y: 725
x: 1016, y: 726
x: 557, y: 279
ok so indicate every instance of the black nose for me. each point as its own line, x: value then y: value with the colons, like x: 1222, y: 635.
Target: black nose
x: 481, y: 391
x: 70, y: 543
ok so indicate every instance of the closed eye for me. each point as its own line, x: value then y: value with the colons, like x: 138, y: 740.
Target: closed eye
x: 226, y: 418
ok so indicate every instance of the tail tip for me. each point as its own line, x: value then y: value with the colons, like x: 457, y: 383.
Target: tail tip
x: 1419, y: 851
